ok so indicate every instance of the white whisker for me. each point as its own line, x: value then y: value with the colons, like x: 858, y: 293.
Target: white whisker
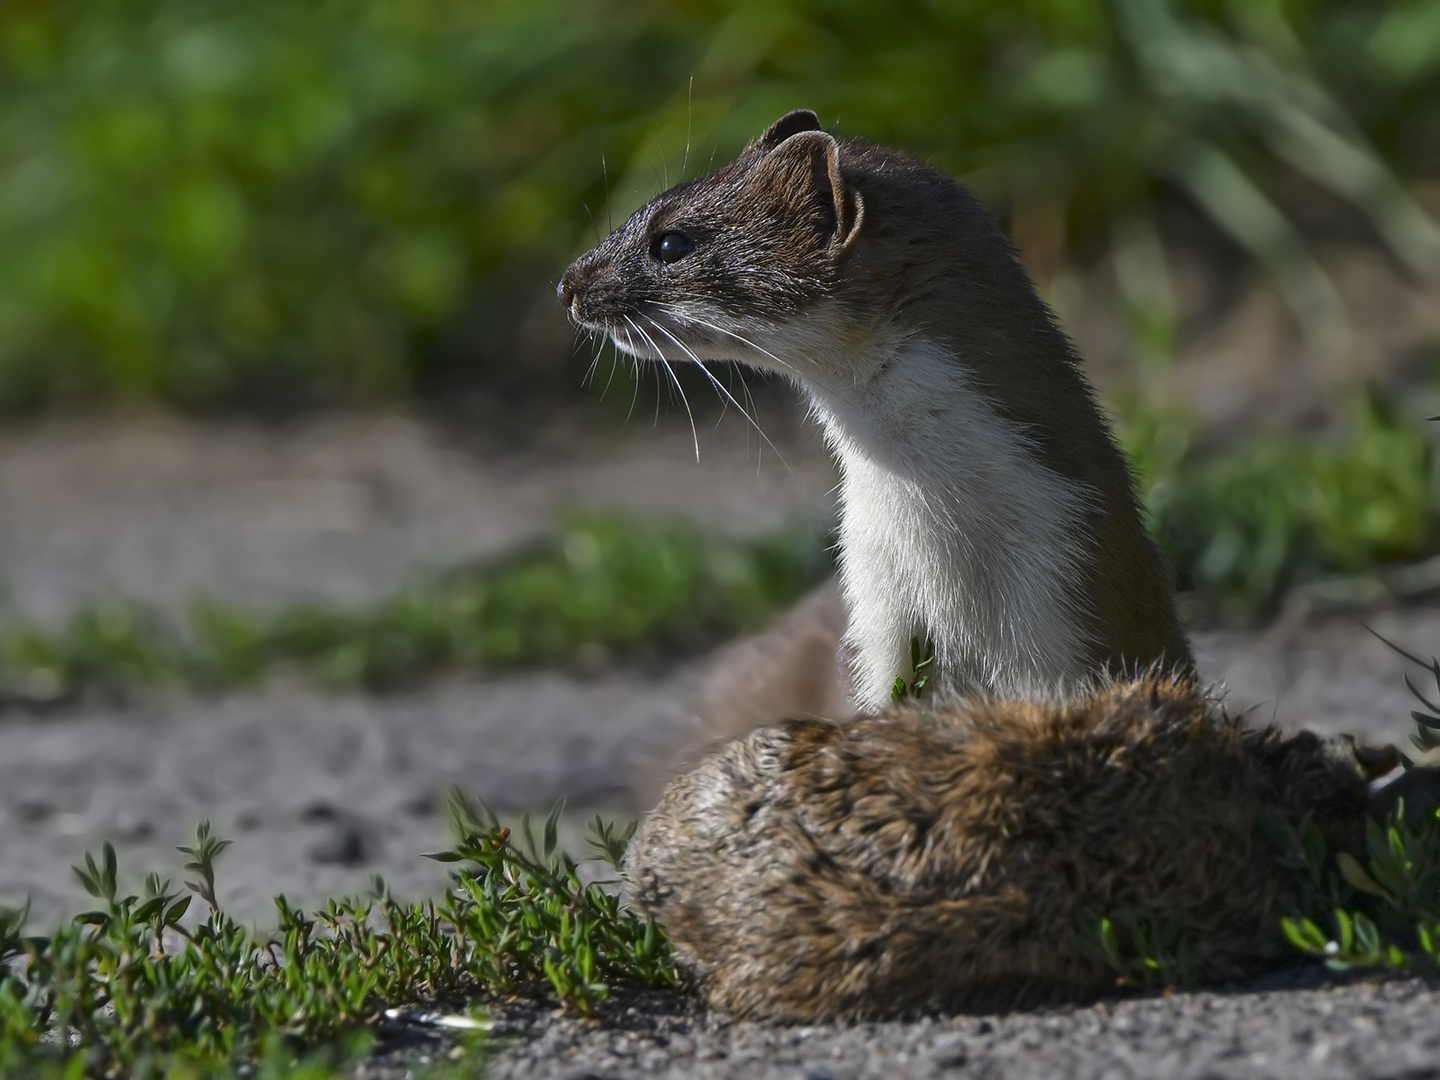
x: 740, y: 338
x: 719, y: 386
x: 614, y: 363
x: 635, y: 364
x: 745, y: 386
x: 812, y: 378
x: 599, y: 340
x: 695, y: 435
x: 689, y: 119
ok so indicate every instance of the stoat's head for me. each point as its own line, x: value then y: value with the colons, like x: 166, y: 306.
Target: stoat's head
x: 712, y: 268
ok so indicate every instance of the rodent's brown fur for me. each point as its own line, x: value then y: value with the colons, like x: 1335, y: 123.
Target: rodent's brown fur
x: 941, y: 858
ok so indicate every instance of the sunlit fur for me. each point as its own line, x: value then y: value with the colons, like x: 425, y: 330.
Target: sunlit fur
x: 937, y: 859
x: 984, y: 506
x: 952, y: 531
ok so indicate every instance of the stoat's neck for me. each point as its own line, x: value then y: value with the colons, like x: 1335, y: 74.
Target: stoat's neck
x: 951, y: 530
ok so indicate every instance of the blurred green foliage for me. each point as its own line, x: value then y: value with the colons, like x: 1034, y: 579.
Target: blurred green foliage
x: 1242, y: 527
x: 205, y: 202
x: 1280, y: 510
x: 606, y: 588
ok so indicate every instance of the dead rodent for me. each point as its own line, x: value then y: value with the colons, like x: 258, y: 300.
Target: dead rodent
x: 930, y: 859
x: 985, y: 507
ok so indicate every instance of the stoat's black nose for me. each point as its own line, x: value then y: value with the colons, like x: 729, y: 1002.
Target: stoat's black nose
x: 565, y: 293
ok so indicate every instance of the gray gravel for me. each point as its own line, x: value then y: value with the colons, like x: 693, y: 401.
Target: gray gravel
x: 320, y: 792
x: 1298, y: 1024
x: 345, y: 508
x: 1328, y: 674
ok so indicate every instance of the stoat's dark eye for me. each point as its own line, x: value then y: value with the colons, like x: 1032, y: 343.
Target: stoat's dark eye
x: 672, y: 247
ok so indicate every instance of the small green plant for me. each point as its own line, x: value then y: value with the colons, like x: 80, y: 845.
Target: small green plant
x: 1384, y: 911
x: 1244, y: 526
x: 576, y: 939
x: 922, y: 663
x: 1143, y: 954
x: 1427, y: 718
x: 609, y: 841
x: 132, y: 989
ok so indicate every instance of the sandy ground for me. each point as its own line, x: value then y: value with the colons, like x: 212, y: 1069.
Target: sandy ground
x: 347, y: 507
x: 1291, y: 1027
x: 320, y: 792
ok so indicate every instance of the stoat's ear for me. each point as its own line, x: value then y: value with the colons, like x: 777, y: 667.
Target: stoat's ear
x: 805, y: 169
x: 789, y: 124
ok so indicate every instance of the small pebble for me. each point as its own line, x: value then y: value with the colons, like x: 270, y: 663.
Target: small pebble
x: 348, y: 844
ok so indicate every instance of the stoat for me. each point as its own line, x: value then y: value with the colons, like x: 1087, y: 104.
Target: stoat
x: 985, y: 507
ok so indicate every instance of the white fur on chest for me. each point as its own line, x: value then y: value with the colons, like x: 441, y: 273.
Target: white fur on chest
x: 950, y: 530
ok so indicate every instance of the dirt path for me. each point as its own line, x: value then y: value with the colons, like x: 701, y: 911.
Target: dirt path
x: 322, y: 791
x: 318, y: 791
x: 1286, y: 1029
x: 347, y: 507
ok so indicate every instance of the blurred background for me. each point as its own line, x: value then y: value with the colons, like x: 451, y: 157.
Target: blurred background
x: 263, y: 209
x: 292, y: 426
x: 224, y: 206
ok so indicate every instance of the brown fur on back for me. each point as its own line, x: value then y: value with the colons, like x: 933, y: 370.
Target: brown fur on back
x: 932, y: 239
x: 941, y: 858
